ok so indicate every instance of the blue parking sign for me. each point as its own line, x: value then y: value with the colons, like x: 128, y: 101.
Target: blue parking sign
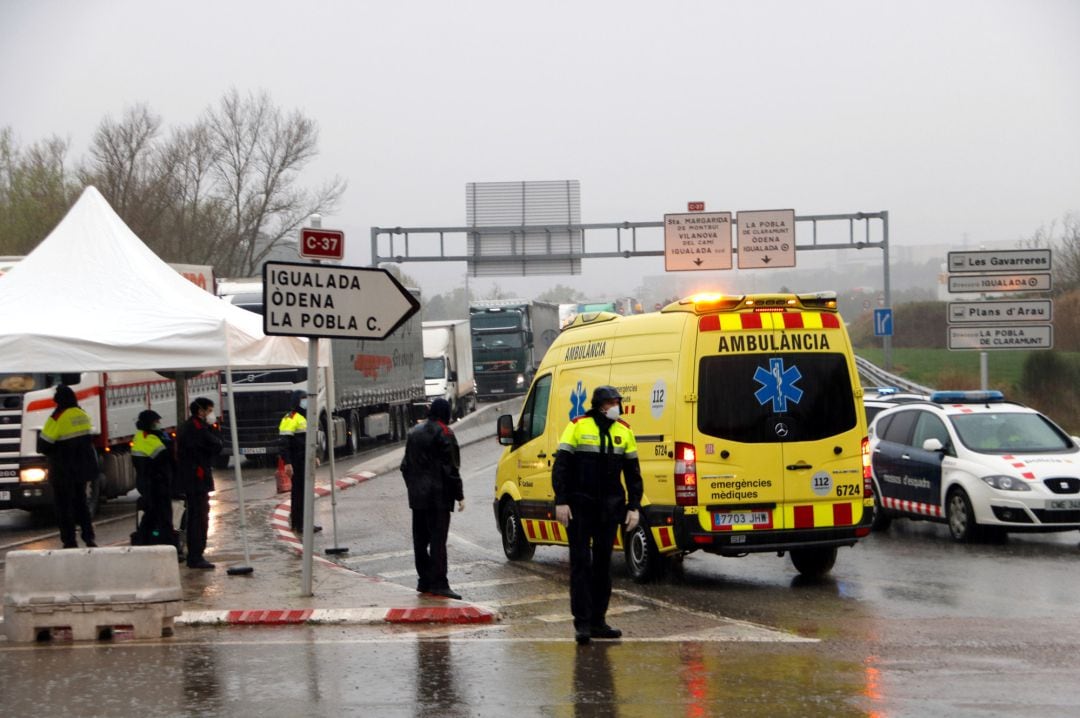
x: 883, y: 322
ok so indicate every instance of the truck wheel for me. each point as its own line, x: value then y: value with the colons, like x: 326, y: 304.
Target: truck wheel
x: 515, y: 545
x: 354, y: 432
x: 815, y: 561
x: 643, y: 561
x: 322, y: 440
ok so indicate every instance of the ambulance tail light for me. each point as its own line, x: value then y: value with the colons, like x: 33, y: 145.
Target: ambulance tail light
x: 867, y: 476
x: 685, y: 475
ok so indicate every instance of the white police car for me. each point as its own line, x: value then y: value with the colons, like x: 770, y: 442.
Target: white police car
x: 981, y: 464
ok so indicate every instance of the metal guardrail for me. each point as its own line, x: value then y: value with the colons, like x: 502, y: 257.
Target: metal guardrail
x: 873, y: 375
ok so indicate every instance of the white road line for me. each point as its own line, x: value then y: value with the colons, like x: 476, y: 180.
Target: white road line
x: 378, y: 556
x: 541, y: 598
x: 563, y: 617
x: 496, y: 582
x: 453, y: 567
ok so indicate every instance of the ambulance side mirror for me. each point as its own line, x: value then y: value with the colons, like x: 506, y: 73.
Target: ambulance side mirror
x: 505, y: 430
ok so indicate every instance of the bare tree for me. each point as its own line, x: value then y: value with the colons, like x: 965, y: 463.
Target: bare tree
x: 259, y: 154
x: 1064, y: 240
x: 36, y: 190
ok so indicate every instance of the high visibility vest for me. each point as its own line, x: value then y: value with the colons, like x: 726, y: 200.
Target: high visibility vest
x: 147, y: 445
x: 293, y: 423
x: 582, y: 435
x: 72, y: 423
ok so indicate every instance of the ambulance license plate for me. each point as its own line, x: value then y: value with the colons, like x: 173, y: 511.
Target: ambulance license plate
x: 1063, y: 504
x: 739, y: 518
x: 5, y: 496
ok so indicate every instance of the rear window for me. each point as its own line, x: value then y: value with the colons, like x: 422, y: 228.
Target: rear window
x: 741, y: 397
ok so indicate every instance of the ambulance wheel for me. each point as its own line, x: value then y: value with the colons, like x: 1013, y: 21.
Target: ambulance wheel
x: 643, y: 561
x: 515, y: 545
x: 961, y: 517
x: 813, y: 562
x: 881, y: 520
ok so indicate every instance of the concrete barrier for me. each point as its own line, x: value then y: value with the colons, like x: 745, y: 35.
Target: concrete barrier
x: 91, y: 592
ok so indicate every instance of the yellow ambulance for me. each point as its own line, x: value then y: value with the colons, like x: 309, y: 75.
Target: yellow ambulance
x: 750, y: 430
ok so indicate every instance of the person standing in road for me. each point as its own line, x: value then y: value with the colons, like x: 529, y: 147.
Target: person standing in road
x: 292, y: 432
x: 198, y: 443
x: 65, y: 441
x: 152, y: 455
x: 431, y: 471
x: 590, y: 501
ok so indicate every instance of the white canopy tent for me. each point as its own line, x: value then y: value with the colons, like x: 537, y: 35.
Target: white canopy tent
x: 92, y: 297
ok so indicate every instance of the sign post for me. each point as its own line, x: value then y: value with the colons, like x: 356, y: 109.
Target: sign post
x: 316, y: 301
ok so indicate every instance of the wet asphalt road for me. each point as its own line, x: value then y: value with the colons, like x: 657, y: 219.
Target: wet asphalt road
x: 908, y: 623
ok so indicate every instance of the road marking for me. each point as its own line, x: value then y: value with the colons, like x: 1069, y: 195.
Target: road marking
x: 542, y: 598
x: 564, y: 617
x: 378, y: 556
x: 497, y: 582
x: 412, y: 571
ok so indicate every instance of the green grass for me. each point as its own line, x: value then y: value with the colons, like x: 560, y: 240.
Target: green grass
x: 930, y: 366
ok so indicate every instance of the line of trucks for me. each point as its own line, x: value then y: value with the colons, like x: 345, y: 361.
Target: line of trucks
x: 379, y: 389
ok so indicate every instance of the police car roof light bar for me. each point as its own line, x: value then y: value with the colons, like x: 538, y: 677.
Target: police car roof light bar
x: 967, y: 397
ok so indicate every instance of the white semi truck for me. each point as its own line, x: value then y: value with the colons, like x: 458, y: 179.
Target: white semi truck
x: 448, y: 365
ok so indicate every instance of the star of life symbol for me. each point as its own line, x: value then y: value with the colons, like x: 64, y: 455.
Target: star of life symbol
x: 577, y: 401
x: 778, y: 385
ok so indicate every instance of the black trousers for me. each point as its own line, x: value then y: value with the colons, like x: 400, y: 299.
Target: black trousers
x: 591, y: 534
x: 296, y: 496
x: 198, y: 523
x: 156, y: 526
x: 69, y: 499
x: 429, y: 530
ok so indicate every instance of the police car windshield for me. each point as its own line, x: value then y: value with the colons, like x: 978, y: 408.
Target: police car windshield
x: 1010, y: 433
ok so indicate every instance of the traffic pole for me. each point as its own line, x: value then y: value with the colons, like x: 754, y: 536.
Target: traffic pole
x: 336, y: 549
x: 310, y: 445
x: 247, y: 568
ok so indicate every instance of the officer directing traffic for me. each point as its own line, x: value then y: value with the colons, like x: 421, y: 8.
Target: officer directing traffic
x: 590, y: 501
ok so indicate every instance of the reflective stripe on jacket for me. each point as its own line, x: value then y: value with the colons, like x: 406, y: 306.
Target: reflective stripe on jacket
x: 595, y: 455
x: 72, y: 422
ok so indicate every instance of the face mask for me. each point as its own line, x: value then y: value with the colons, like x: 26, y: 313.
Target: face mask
x: 211, y: 418
x: 155, y: 427
x: 303, y: 403
x: 612, y: 413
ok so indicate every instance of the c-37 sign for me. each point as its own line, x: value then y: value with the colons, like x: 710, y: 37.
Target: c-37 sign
x: 308, y: 300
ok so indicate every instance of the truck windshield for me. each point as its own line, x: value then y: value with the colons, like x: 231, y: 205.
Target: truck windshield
x: 434, y: 368
x: 21, y: 383
x: 743, y: 396
x: 494, y: 321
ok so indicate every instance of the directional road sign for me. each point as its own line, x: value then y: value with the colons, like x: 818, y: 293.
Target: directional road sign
x: 322, y: 243
x: 1001, y: 260
x: 1022, y: 310
x: 701, y: 240
x: 883, y: 322
x: 766, y: 239
x: 310, y: 300
x: 997, y: 283
x: 1022, y: 336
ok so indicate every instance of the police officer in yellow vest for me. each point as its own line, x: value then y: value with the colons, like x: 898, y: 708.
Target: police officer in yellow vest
x: 590, y: 501
x: 293, y: 444
x: 65, y: 440
x: 152, y: 456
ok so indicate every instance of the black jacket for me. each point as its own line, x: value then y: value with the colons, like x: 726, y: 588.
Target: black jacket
x: 154, y: 476
x: 430, y: 467
x: 197, y: 444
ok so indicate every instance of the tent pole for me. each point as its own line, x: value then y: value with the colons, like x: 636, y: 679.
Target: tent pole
x: 247, y: 567
x: 310, y: 449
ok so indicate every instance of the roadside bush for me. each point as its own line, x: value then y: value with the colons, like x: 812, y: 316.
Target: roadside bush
x: 1051, y: 384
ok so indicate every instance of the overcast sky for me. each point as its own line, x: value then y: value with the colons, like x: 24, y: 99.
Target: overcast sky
x: 958, y: 117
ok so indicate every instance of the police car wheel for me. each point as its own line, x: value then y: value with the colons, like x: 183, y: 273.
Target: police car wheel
x: 643, y: 561
x: 515, y: 545
x: 815, y: 561
x: 881, y: 520
x: 961, y: 517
